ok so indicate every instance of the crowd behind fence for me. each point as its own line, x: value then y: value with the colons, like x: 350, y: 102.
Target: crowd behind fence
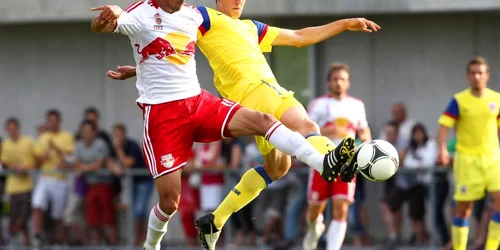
x: 270, y: 220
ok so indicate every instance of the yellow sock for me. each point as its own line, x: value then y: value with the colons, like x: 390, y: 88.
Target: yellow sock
x: 321, y: 143
x: 460, y: 233
x: 249, y: 187
x: 493, y: 239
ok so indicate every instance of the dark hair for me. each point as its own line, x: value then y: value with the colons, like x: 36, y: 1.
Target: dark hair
x: 413, y: 144
x: 12, y: 120
x: 478, y: 61
x: 88, y: 123
x: 393, y: 124
x: 336, y: 66
x: 53, y: 112
x: 92, y: 110
x: 121, y: 127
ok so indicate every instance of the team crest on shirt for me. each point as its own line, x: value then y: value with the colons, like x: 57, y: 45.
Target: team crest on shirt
x: 463, y: 189
x: 167, y: 161
x: 493, y: 106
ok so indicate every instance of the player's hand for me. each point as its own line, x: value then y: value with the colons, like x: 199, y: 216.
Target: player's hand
x: 362, y: 24
x: 122, y: 72
x: 444, y: 157
x: 108, y: 14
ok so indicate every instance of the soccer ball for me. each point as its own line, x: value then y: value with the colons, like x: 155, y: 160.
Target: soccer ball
x: 377, y: 160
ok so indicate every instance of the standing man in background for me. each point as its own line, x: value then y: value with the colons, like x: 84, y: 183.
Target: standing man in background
x: 338, y: 115
x: 474, y: 113
x: 52, y: 148
x: 18, y: 156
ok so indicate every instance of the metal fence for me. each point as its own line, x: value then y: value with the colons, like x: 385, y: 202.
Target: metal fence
x: 230, y: 180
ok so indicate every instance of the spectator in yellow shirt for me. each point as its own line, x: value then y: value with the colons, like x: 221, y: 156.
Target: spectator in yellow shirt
x: 52, y: 149
x: 18, y: 156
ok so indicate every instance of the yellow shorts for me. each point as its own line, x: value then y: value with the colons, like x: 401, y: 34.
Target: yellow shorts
x: 269, y: 98
x: 474, y: 175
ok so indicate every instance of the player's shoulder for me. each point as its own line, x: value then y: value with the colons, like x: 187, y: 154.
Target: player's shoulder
x: 319, y: 101
x: 138, y: 7
x: 495, y: 94
x: 355, y: 100
x: 27, y: 140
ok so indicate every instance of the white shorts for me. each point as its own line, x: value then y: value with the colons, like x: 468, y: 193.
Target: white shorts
x: 53, y: 191
x: 210, y: 197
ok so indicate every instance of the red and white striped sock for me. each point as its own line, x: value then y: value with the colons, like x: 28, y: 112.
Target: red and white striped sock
x: 295, y: 145
x: 157, y: 228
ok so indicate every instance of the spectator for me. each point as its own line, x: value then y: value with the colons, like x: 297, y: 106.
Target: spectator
x: 393, y: 220
x: 232, y: 157
x: 91, y: 153
x: 400, y: 116
x: 358, y: 214
x: 189, y: 203
x: 52, y: 149
x: 296, y: 206
x: 18, y: 156
x: 127, y: 154
x: 75, y: 211
x: 92, y: 114
x: 412, y: 186
x: 207, y: 158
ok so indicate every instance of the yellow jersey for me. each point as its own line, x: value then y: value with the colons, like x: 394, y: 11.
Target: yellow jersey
x: 63, y: 141
x: 234, y: 48
x: 20, y: 152
x: 477, y: 120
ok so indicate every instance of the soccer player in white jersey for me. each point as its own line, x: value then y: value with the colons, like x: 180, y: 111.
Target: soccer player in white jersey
x: 338, y: 115
x: 177, y: 112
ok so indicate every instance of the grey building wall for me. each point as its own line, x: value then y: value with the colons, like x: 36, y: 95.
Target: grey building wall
x: 71, y: 10
x: 419, y: 59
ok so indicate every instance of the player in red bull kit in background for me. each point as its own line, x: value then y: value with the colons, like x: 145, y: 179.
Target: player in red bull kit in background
x: 339, y: 115
x: 177, y: 112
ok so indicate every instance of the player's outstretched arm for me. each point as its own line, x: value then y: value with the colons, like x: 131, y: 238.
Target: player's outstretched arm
x: 122, y: 72
x: 106, y: 21
x: 313, y: 35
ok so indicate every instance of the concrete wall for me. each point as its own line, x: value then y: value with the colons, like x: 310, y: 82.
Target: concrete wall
x: 71, y: 10
x: 419, y: 59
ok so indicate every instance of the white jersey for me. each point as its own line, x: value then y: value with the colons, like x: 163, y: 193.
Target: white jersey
x: 164, y: 46
x: 348, y: 114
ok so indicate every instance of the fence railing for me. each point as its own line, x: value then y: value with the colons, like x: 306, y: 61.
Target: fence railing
x: 129, y: 174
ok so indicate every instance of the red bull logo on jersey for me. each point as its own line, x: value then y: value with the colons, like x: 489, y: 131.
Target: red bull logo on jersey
x: 176, y: 48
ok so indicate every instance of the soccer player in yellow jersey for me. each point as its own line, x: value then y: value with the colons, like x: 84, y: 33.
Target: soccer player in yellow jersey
x: 474, y: 113
x: 234, y: 49
x: 18, y: 156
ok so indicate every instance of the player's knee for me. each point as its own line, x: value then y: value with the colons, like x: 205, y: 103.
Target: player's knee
x: 313, y: 213
x: 263, y: 122
x: 340, y: 209
x: 277, y: 171
x: 169, y: 202
x: 307, y: 126
x: 463, y: 209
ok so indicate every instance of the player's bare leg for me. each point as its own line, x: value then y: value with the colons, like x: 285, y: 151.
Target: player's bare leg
x: 248, y: 122
x: 460, y: 226
x: 338, y: 225
x: 493, y: 237
x: 169, y: 192
x: 315, y: 225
